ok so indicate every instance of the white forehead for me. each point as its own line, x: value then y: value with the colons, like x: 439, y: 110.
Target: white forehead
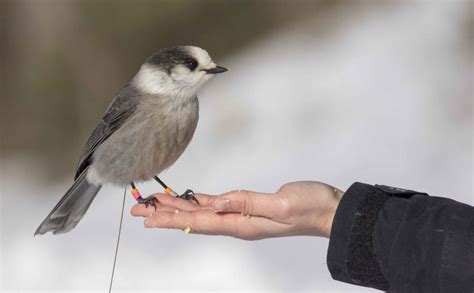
x: 201, y: 56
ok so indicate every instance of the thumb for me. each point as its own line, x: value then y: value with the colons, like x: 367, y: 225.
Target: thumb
x: 250, y: 203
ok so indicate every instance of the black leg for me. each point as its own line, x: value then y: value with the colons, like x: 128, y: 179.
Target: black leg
x: 161, y: 182
x: 187, y: 195
x: 148, y: 201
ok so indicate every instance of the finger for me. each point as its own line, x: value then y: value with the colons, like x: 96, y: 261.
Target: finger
x: 202, y: 222
x: 166, y: 202
x: 204, y: 199
x: 140, y: 210
x: 206, y: 222
x: 180, y: 203
x: 251, y: 203
x: 210, y: 223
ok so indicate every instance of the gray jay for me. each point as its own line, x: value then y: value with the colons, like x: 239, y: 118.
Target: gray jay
x: 145, y: 129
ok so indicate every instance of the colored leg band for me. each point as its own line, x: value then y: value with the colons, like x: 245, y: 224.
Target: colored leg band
x: 136, y: 194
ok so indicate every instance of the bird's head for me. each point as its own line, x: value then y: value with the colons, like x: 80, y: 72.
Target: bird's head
x: 177, y: 71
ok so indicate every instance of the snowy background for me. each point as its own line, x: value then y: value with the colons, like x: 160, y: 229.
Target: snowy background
x: 385, y: 97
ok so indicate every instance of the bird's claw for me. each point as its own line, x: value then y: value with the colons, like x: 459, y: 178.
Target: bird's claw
x: 188, y: 195
x: 148, y: 201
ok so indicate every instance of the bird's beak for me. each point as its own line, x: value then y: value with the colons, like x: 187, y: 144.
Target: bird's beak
x: 215, y: 70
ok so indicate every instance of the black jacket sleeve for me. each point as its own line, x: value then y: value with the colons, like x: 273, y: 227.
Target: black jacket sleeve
x: 402, y: 241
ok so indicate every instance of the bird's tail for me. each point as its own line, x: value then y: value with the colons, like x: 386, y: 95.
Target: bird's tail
x: 71, y: 208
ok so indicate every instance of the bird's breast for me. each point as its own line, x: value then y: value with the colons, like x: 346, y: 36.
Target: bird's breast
x: 171, y: 131
x: 151, y: 140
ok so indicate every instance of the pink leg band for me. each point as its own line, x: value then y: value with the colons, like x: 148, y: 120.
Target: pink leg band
x: 136, y: 194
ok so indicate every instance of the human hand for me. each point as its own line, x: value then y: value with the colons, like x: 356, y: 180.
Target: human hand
x: 297, y: 208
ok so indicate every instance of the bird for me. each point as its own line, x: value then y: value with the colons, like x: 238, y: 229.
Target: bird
x: 145, y: 129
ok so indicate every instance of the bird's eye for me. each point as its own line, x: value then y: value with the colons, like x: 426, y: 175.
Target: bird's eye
x: 191, y: 64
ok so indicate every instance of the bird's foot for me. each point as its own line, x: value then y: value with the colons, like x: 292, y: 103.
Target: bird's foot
x: 148, y: 201
x: 188, y: 195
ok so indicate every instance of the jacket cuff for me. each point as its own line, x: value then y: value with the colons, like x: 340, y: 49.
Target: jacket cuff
x: 351, y: 255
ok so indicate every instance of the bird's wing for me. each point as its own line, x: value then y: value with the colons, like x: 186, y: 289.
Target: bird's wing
x: 121, y: 108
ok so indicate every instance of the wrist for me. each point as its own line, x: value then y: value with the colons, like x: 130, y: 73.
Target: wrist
x: 333, y: 203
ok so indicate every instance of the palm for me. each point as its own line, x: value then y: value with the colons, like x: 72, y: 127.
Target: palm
x: 298, y: 208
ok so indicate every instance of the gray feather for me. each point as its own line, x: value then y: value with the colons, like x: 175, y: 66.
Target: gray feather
x: 71, y: 208
x: 121, y: 108
x: 151, y: 140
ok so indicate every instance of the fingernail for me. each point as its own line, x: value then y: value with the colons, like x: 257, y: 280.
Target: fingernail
x: 221, y: 205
